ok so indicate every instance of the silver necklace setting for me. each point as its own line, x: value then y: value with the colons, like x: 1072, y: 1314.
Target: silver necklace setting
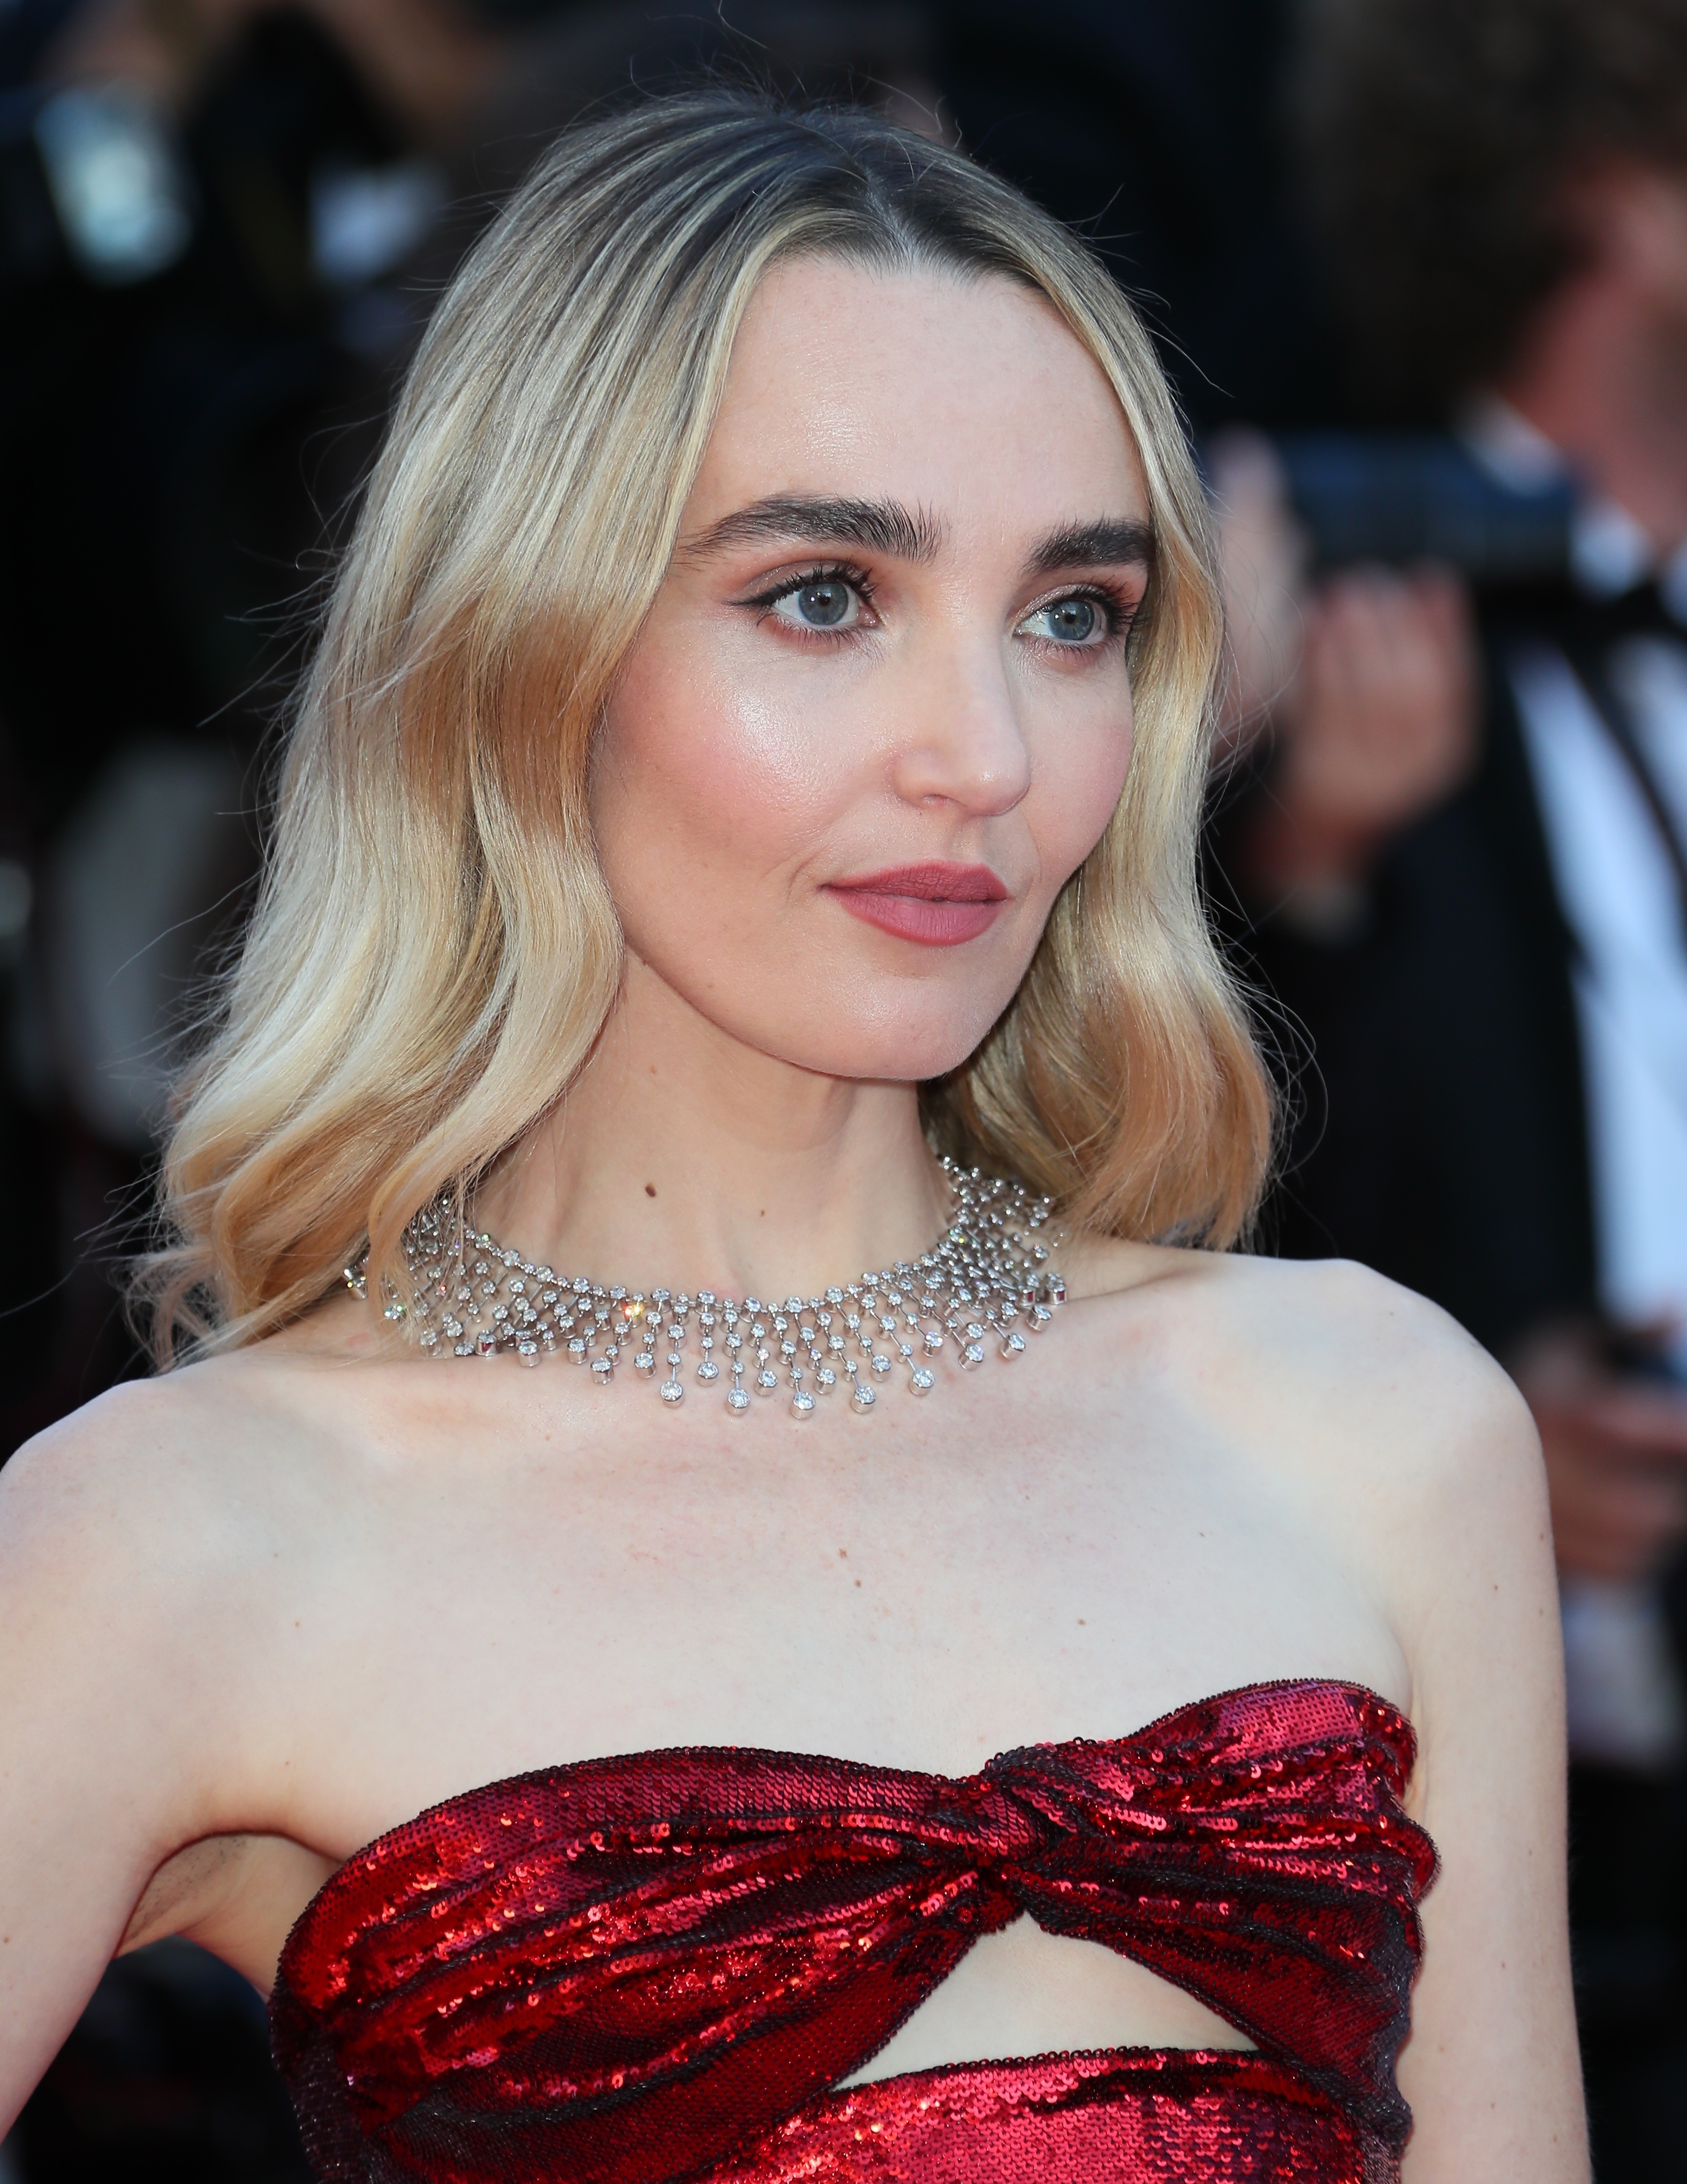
x: 987, y: 1283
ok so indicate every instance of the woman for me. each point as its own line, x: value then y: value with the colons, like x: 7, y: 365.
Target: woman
x: 758, y: 740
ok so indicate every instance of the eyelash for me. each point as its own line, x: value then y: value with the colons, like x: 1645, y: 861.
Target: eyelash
x: 821, y: 572
x: 1122, y: 613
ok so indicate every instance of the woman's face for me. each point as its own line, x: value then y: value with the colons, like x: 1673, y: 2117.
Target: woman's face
x: 880, y: 711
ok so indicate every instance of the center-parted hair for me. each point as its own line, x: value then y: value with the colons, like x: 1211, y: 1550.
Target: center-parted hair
x: 434, y: 950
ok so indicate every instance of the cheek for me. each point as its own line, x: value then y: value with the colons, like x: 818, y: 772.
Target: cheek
x: 1073, y: 796
x: 702, y: 788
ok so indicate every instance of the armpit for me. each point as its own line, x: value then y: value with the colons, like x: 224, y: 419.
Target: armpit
x: 238, y: 1895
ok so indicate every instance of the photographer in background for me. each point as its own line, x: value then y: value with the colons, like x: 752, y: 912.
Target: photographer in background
x: 1467, y: 870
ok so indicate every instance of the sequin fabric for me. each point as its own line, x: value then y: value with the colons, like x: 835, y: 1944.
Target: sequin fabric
x: 637, y: 1970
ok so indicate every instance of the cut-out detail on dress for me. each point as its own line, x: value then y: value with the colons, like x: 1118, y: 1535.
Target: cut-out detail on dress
x: 633, y: 1970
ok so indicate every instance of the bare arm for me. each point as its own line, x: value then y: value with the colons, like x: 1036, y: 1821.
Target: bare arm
x: 1399, y: 1446
x: 1491, y: 2068
x: 105, y: 1703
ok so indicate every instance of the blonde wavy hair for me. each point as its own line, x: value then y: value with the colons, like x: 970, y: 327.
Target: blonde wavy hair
x: 434, y: 951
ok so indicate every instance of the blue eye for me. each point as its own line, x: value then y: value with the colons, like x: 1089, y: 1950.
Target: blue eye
x: 1077, y: 621
x: 825, y: 603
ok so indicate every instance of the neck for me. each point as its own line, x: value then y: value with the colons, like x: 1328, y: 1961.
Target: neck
x: 681, y: 1156
x: 1607, y: 384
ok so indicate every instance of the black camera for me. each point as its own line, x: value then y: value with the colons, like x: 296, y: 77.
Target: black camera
x: 1407, y: 497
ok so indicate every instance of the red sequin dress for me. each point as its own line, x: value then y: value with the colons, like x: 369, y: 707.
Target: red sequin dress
x: 637, y: 1970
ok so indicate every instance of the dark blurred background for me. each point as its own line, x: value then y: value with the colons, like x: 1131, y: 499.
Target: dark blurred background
x: 1418, y: 271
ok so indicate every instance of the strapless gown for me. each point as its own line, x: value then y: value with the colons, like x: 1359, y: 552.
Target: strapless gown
x: 645, y: 1970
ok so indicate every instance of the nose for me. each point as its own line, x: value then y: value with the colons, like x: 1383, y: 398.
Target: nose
x: 961, y: 740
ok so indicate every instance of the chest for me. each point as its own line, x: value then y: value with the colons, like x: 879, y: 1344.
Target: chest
x: 920, y: 1600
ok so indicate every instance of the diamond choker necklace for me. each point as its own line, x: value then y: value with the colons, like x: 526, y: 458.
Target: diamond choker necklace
x: 986, y: 1277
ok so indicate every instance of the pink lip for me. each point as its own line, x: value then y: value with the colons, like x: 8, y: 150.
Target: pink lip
x: 939, y: 904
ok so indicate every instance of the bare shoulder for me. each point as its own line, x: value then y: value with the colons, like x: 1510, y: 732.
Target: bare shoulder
x: 171, y: 1559
x: 90, y: 1481
x: 1342, y: 1340
x: 1349, y: 1336
x: 1365, y: 1401
x: 1357, y: 1361
x: 160, y: 1481
x: 127, y: 1445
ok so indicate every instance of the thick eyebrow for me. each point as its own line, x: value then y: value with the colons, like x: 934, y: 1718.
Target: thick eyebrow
x: 883, y: 526
x: 1109, y: 541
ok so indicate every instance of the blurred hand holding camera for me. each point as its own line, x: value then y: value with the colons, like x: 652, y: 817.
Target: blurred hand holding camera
x: 1615, y: 1438
x: 1367, y: 677
x: 1378, y: 726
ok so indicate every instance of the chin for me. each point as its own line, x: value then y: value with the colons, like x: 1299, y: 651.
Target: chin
x: 901, y: 1048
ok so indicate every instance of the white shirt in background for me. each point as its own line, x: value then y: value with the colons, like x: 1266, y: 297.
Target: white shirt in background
x: 1616, y: 887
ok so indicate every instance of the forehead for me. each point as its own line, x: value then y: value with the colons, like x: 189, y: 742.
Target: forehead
x: 970, y: 398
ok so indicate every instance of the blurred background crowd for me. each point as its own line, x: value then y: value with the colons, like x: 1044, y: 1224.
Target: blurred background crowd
x: 1418, y: 268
